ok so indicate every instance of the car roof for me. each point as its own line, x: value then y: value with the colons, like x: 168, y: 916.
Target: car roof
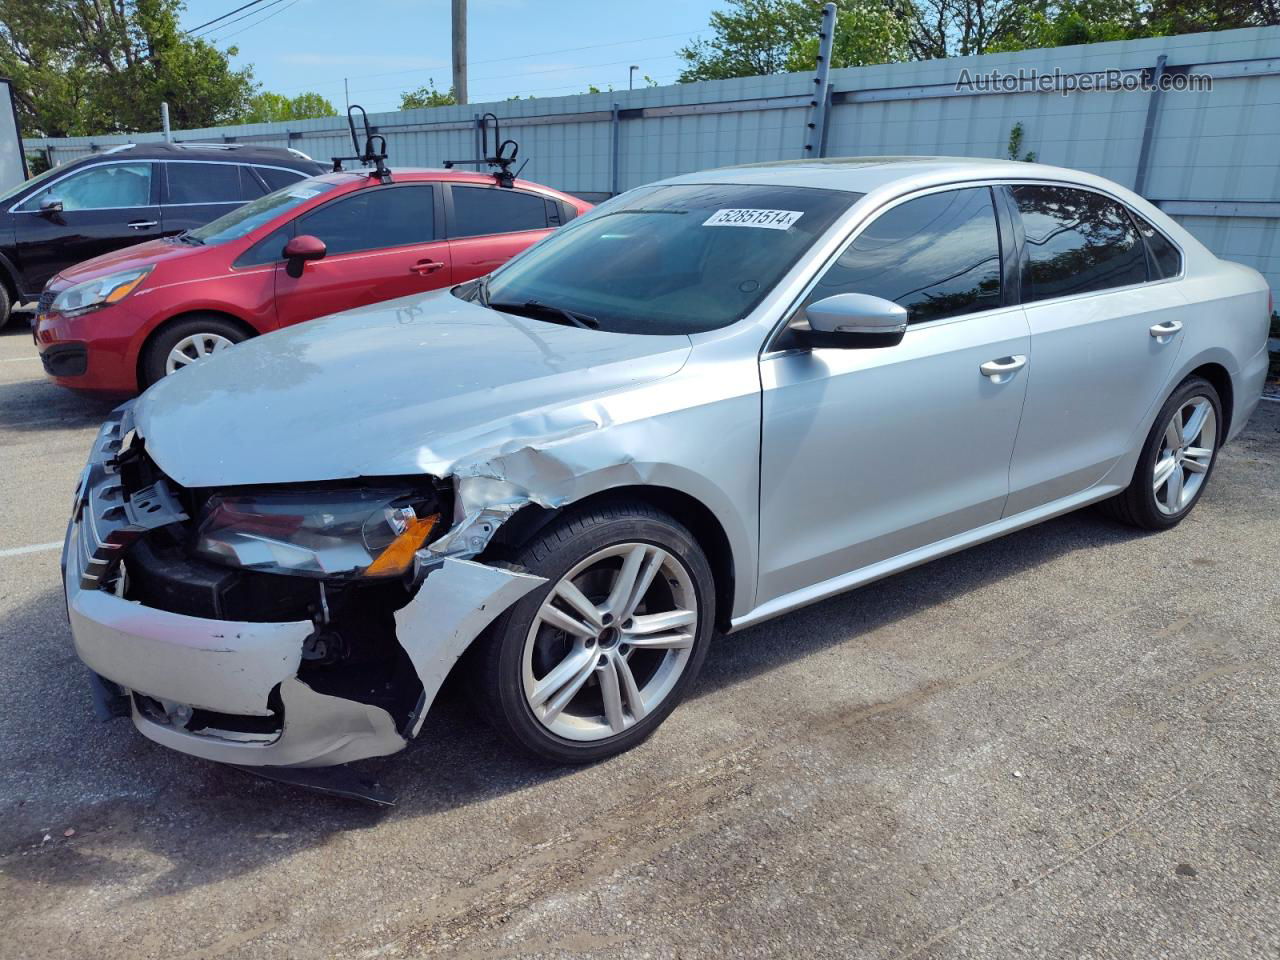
x: 406, y: 174
x: 223, y: 152
x: 865, y: 174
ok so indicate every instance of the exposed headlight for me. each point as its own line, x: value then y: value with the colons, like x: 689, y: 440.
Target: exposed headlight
x: 101, y: 292
x: 333, y: 533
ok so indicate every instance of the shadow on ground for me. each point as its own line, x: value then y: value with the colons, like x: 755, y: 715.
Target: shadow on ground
x: 39, y: 404
x: 171, y: 805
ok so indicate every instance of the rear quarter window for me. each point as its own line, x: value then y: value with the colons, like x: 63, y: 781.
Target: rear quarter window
x: 1166, y: 260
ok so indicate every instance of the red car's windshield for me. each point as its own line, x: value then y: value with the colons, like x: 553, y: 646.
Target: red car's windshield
x: 246, y: 219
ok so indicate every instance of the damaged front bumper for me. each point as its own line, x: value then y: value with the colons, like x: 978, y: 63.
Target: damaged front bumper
x: 237, y: 691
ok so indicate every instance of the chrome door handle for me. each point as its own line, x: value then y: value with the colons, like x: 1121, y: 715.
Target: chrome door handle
x: 1003, y: 368
x: 141, y: 224
x: 1166, y: 329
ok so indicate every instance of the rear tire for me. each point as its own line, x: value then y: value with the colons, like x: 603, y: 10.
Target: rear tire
x: 1177, y: 460
x: 571, y: 697
x: 6, y: 306
x: 194, y: 337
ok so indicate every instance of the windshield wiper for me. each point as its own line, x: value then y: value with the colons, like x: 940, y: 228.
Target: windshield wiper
x: 539, y: 309
x: 186, y: 237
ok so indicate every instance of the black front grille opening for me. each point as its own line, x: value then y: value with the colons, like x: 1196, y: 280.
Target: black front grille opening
x: 65, y: 360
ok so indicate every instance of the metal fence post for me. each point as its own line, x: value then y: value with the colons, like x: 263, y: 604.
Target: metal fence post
x: 479, y: 137
x: 1153, y: 108
x: 164, y: 122
x: 614, y: 173
x: 816, y: 127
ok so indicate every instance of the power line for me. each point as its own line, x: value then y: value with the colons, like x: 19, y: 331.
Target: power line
x: 224, y: 16
x: 250, y: 26
x: 532, y: 73
x: 525, y: 56
x: 243, y: 16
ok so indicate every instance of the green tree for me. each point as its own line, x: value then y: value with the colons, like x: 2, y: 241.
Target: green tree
x: 751, y: 38
x: 83, y: 67
x: 756, y: 37
x: 274, y: 107
x: 867, y: 32
x: 427, y: 96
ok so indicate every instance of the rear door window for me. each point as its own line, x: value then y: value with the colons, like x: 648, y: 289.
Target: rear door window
x: 479, y: 211
x: 374, y: 218
x: 192, y: 183
x: 937, y: 255
x: 1077, y: 242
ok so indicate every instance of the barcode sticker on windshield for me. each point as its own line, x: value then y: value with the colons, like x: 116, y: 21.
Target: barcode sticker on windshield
x: 766, y: 219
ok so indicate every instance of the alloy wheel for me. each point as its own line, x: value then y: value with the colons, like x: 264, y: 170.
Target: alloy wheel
x: 1186, y: 453
x: 610, y: 641
x: 193, y: 349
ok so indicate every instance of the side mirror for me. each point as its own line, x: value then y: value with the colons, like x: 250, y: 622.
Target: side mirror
x: 300, y: 249
x: 853, y: 321
x: 50, y: 206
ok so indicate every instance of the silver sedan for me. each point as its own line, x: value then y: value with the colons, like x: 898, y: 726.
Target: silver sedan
x: 710, y: 401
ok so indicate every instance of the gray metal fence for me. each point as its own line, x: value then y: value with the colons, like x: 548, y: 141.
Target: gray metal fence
x: 1207, y: 157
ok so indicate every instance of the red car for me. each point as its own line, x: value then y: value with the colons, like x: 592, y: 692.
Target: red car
x: 119, y: 322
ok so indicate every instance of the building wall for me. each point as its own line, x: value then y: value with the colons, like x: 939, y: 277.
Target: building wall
x: 1212, y: 155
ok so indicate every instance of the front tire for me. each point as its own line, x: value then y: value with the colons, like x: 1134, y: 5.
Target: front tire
x: 189, y: 340
x: 1177, y: 459
x: 6, y: 306
x: 590, y: 664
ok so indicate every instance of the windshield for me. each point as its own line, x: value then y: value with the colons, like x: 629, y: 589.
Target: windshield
x: 38, y: 178
x: 246, y: 219
x: 676, y: 259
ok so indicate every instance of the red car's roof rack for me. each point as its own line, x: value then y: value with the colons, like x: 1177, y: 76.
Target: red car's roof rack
x: 375, y: 147
x: 503, y: 156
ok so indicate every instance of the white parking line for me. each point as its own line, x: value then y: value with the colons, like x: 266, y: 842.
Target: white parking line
x: 18, y: 359
x: 32, y: 548
x: 1272, y: 399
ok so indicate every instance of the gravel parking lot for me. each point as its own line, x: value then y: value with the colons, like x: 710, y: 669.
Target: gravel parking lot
x: 1062, y: 743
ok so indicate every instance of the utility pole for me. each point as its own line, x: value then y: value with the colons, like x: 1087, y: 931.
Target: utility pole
x: 460, y: 50
x: 164, y: 122
x: 346, y: 93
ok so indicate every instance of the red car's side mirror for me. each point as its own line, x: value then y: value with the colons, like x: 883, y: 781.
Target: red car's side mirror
x: 305, y: 247
x: 301, y: 249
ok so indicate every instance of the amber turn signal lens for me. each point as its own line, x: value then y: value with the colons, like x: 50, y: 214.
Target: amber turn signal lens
x: 122, y: 291
x: 399, y: 554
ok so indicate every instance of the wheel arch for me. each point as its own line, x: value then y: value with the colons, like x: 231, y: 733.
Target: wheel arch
x: 158, y: 330
x: 689, y: 510
x: 1220, y: 379
x: 9, y: 279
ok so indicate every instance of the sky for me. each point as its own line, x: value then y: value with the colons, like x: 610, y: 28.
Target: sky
x: 545, y: 48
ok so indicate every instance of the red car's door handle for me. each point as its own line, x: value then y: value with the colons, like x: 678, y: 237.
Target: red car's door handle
x: 423, y: 267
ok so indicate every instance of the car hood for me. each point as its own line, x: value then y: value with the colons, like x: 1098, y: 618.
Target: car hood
x: 127, y: 258
x: 404, y: 387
